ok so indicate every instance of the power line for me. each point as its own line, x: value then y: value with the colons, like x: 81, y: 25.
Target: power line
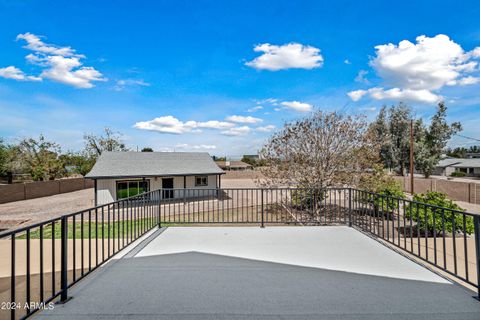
x: 462, y: 136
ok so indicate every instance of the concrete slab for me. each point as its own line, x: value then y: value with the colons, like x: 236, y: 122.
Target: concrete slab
x: 337, y: 248
x: 272, y: 273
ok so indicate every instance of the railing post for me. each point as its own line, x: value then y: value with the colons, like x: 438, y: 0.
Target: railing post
x: 64, y: 261
x: 349, y: 207
x: 159, y: 217
x: 261, y: 197
x: 476, y: 222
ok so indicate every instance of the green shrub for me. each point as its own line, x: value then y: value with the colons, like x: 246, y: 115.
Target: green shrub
x: 458, y: 174
x: 430, y: 219
x: 384, y: 200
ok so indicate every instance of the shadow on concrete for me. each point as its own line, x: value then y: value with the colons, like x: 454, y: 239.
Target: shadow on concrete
x: 194, y: 285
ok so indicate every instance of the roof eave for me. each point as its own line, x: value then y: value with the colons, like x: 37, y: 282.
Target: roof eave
x: 152, y: 175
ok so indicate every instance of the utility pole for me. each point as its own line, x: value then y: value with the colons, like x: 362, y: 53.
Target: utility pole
x: 412, y: 181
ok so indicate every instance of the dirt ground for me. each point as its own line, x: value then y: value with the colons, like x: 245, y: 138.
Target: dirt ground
x: 19, y: 213
x: 33, y: 210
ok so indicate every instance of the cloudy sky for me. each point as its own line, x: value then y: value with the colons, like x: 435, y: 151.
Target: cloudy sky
x: 221, y: 76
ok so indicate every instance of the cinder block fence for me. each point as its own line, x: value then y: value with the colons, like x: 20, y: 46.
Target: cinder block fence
x: 32, y: 190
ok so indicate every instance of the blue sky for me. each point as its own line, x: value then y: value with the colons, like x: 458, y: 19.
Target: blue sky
x: 220, y: 76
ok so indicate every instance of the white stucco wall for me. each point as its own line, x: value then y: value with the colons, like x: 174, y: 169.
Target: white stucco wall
x: 107, y: 188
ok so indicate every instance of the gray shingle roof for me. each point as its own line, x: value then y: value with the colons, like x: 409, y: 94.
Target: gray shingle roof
x: 143, y: 164
x: 468, y: 163
x: 459, y: 163
x: 448, y: 162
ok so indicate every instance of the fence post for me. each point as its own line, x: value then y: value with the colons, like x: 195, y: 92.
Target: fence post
x: 64, y: 261
x: 349, y: 207
x: 261, y: 193
x: 476, y: 222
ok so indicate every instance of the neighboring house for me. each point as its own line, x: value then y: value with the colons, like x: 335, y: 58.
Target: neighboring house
x: 120, y: 175
x: 444, y: 166
x: 234, y: 165
x: 471, y: 167
x: 473, y: 155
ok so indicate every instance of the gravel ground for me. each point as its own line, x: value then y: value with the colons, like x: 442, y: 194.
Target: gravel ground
x: 19, y: 213
x: 30, y: 211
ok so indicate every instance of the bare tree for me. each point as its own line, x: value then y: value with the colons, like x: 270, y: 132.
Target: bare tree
x: 108, y: 141
x: 321, y: 150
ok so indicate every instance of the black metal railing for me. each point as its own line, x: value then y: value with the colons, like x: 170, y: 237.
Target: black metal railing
x: 47, y: 258
x: 445, y: 238
x: 297, y: 206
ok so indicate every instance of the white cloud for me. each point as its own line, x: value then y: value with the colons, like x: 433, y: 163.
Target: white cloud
x: 237, y: 131
x: 69, y: 70
x: 196, y: 147
x: 14, y: 73
x: 271, y: 101
x: 256, y: 108
x: 34, y: 43
x: 242, y: 119
x: 297, y: 106
x: 414, y: 71
x: 396, y: 94
x: 288, y: 56
x: 465, y: 81
x: 346, y: 61
x: 60, y: 64
x: 121, y: 84
x: 361, y: 77
x: 170, y: 124
x: 357, y: 94
x: 265, y: 128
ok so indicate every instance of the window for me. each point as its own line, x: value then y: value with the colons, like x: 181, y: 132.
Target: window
x: 201, y: 181
x: 127, y: 189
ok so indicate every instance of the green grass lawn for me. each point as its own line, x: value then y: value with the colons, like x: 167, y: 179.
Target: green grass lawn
x: 119, y: 229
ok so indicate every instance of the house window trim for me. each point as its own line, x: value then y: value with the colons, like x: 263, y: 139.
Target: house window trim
x: 201, y: 177
x: 127, y: 181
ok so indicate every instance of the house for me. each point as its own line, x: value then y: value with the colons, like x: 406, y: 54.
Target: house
x: 444, y: 166
x: 120, y: 175
x: 471, y: 167
x: 447, y: 166
x: 473, y: 155
x: 234, y: 165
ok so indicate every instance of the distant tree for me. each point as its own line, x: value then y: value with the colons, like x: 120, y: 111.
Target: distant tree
x: 41, y: 157
x: 108, y: 141
x: 321, y: 150
x: 80, y: 162
x: 459, y: 152
x: 391, y: 128
x: 249, y: 161
x: 474, y: 149
x: 147, y: 149
x: 4, y: 150
x: 431, y: 143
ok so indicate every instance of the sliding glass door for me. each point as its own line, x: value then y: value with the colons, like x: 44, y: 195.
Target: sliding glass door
x: 131, y: 188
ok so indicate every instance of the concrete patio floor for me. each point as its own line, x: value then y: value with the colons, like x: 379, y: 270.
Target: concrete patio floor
x: 271, y: 273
